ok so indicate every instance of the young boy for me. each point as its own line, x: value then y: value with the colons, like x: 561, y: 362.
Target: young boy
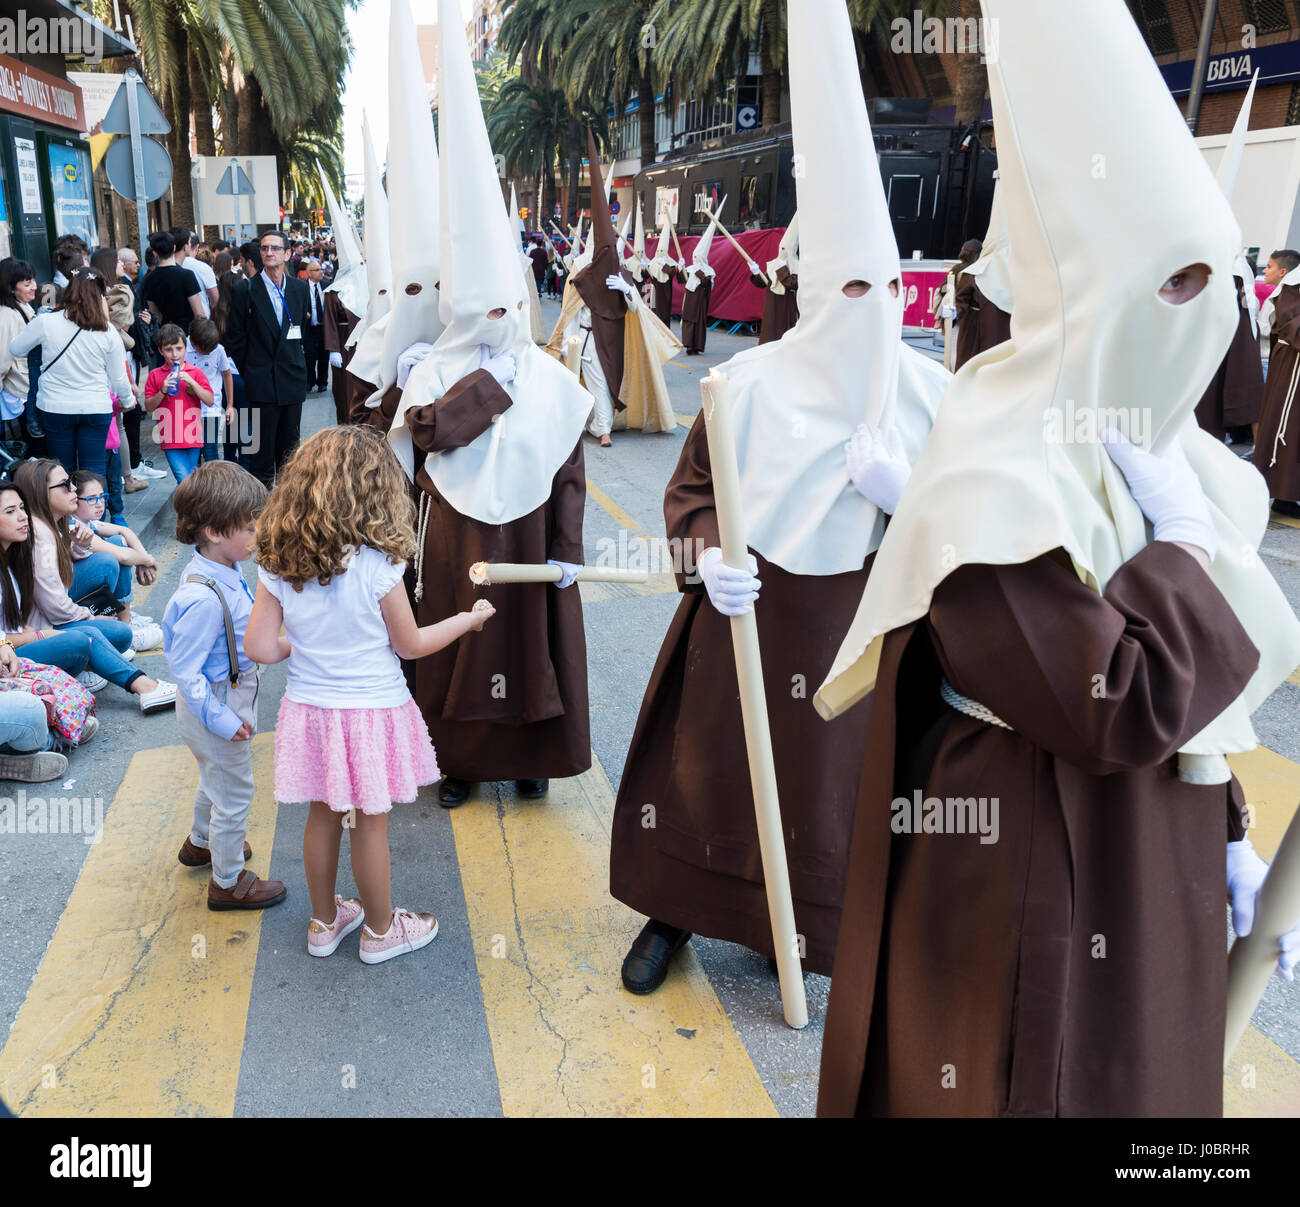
x: 205, y: 352
x: 216, y: 511
x: 179, y: 394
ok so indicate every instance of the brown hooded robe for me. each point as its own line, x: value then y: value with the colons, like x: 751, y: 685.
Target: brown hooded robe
x: 1233, y: 397
x: 696, y: 863
x: 780, y: 310
x: 339, y: 323
x: 1281, y: 470
x: 1076, y: 966
x: 980, y: 324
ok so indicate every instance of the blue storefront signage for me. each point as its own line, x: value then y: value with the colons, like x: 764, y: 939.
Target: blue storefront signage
x: 1275, y: 63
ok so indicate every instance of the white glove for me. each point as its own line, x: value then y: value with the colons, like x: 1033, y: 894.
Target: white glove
x: 568, y: 572
x: 878, y: 466
x: 1246, y: 872
x: 681, y: 265
x: 753, y: 268
x: 502, y: 367
x: 408, y: 360
x: 615, y: 281
x: 1167, y: 490
x: 336, y: 360
x: 731, y: 591
x: 948, y: 312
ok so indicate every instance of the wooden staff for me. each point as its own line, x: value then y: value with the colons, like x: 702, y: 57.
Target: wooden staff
x: 491, y: 574
x: 949, y: 300
x: 744, y: 254
x: 673, y: 231
x: 753, y: 703
x: 1252, y: 959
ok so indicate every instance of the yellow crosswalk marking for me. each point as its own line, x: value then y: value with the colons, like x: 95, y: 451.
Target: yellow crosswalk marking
x: 567, y: 1039
x: 620, y: 516
x: 140, y: 1004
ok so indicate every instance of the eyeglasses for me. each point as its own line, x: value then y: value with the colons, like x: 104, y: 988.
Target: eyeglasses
x: 66, y: 484
x: 95, y: 498
x: 276, y: 247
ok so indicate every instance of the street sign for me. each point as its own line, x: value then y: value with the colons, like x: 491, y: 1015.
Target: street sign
x: 614, y: 206
x: 119, y: 165
x: 746, y: 117
x: 118, y: 120
x: 235, y: 183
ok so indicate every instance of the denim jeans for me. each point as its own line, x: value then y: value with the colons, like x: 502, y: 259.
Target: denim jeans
x: 78, y: 441
x: 107, y: 639
x: 182, y: 462
x: 113, y: 487
x: 69, y: 651
x: 23, y: 727
x: 211, y: 437
x: 103, y: 570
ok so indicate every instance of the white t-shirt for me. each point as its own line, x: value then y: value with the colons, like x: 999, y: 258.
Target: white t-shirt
x: 342, y: 657
x: 207, y: 280
x: 211, y: 365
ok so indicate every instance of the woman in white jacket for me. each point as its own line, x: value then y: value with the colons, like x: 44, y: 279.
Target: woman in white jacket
x: 17, y: 289
x: 82, y: 366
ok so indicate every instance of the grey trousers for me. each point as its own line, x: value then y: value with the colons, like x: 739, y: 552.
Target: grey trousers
x: 225, y: 791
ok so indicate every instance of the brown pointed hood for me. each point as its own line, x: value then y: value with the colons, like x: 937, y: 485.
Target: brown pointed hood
x: 603, y: 302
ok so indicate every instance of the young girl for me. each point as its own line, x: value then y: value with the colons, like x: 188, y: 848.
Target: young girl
x: 118, y: 541
x: 332, y: 545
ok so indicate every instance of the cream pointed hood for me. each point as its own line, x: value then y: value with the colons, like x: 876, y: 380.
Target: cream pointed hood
x: 798, y: 400
x: 1013, y: 468
x: 350, y: 279
x: 637, y: 265
x: 658, y: 267
x: 412, y: 202
x: 699, y: 267
x: 1229, y: 166
x: 379, y: 269
x: 787, y: 250
x: 993, y: 269
x: 507, y: 471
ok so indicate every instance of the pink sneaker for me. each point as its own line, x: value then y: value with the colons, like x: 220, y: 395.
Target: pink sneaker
x: 407, y: 932
x: 323, y: 940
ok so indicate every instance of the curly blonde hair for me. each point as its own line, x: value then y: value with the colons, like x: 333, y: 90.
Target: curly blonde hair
x: 342, y: 488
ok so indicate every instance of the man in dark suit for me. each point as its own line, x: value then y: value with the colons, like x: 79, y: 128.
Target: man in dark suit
x: 264, y: 336
x: 318, y: 357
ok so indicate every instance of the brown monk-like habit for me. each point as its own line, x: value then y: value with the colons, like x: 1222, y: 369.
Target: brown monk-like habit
x: 980, y: 324
x: 339, y: 323
x: 1233, y: 397
x: 780, y: 310
x: 694, y: 861
x: 1076, y: 966
x: 695, y: 314
x: 509, y: 702
x: 1277, y: 439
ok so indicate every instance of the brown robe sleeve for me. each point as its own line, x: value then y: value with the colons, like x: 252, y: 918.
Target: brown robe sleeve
x: 690, y: 513
x: 1286, y: 316
x: 1105, y: 683
x: 757, y: 280
x: 964, y: 297
x: 787, y: 278
x: 460, y: 416
x: 338, y: 323
x: 569, y: 500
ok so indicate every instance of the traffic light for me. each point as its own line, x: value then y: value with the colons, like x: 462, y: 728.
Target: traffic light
x: 523, y: 213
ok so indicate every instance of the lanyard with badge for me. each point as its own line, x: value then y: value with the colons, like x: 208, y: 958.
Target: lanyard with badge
x: 294, y: 332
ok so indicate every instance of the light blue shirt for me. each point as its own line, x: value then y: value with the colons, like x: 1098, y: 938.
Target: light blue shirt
x: 273, y: 290
x: 194, y: 640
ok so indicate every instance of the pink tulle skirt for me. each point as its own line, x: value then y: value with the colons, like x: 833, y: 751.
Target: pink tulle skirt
x: 352, y: 758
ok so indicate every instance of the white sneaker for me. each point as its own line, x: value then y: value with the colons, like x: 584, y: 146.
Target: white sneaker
x: 91, y: 681
x: 147, y: 471
x: 162, y: 696
x: 146, y: 636
x: 89, y: 729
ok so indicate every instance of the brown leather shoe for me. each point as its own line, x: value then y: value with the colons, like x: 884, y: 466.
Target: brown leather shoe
x: 196, y: 857
x: 249, y: 893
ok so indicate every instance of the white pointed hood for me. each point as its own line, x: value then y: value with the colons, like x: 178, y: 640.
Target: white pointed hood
x: 622, y: 236
x: 798, y: 400
x: 787, y: 250
x: 350, y: 280
x: 699, y: 265
x: 658, y: 267
x: 412, y: 202
x: 637, y: 264
x: 517, y: 225
x: 1013, y: 469
x: 379, y: 269
x: 507, y: 471
x: 993, y: 268
x: 1229, y: 166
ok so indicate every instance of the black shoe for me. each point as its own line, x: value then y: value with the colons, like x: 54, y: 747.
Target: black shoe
x: 1286, y: 507
x: 453, y: 792
x: 646, y: 964
x: 532, y: 789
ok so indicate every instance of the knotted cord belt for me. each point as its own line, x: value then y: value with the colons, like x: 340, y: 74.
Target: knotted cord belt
x: 1285, y: 417
x: 972, y: 708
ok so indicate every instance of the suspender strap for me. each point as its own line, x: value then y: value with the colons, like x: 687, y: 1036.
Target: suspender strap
x: 232, y: 654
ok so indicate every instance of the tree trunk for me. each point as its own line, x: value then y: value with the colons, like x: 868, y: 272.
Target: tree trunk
x: 178, y: 144
x: 645, y: 94
x: 574, y: 153
x: 972, y: 79
x: 771, y: 85
x: 205, y: 136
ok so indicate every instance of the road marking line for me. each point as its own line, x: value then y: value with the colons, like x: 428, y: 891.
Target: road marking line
x: 621, y: 517
x: 1285, y: 520
x: 687, y: 421
x: 567, y: 1038
x: 1294, y: 677
x: 123, y: 1016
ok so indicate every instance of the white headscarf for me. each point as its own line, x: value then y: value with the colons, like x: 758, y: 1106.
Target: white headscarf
x: 1102, y: 219
x: 350, y: 280
x: 787, y: 251
x: 508, y: 470
x: 379, y: 268
x: 798, y: 400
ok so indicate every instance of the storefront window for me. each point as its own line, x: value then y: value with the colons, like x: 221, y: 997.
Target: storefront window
x: 71, y: 182
x: 6, y: 232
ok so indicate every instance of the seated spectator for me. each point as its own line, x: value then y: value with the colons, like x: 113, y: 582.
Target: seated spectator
x: 73, y: 645
x: 25, y: 738
x: 117, y: 540
x: 178, y: 394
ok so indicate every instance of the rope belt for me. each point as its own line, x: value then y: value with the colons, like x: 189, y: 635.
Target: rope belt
x: 972, y: 708
x: 423, y: 529
x: 1285, y: 417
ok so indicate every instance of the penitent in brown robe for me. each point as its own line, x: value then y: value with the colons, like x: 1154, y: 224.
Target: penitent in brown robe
x: 1277, y: 439
x: 780, y: 310
x: 695, y: 315
x: 1075, y: 966
x: 339, y: 324
x: 662, y: 303
x: 698, y: 866
x: 980, y: 324
x: 509, y: 702
x: 1233, y: 397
